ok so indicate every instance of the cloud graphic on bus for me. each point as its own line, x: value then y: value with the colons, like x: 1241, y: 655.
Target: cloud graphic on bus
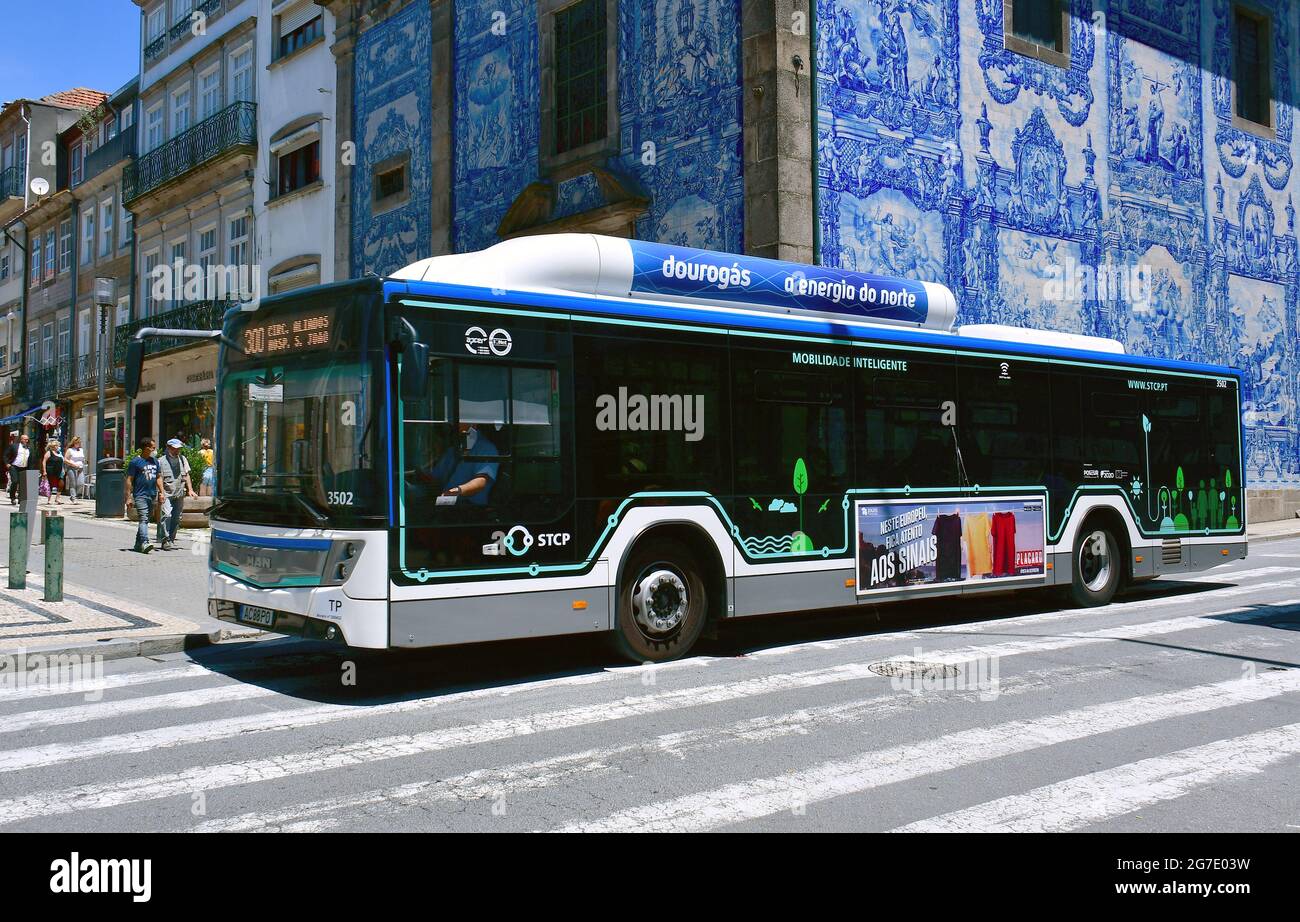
x: 780, y: 505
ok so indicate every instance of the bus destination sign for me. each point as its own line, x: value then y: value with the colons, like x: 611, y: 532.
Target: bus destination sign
x: 292, y: 333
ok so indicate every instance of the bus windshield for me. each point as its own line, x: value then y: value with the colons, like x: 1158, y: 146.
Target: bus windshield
x: 300, y: 413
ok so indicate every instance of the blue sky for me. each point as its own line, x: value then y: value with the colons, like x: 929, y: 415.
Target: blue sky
x: 53, y: 45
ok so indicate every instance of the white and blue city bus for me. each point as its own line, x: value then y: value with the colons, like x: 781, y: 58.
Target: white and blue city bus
x: 580, y: 434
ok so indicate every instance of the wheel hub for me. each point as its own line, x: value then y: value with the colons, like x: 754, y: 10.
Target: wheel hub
x: 660, y: 601
x: 1095, y: 561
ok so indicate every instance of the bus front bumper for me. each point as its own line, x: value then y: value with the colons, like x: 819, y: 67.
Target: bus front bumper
x: 278, y: 622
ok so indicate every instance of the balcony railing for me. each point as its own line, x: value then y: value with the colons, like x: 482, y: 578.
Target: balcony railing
x: 118, y: 148
x: 69, y: 375
x: 11, y: 182
x: 178, y: 31
x: 197, y: 315
x: 155, y: 48
x: 233, y: 128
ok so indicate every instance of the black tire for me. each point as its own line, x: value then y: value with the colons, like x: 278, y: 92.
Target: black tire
x: 1096, y: 567
x: 669, y: 626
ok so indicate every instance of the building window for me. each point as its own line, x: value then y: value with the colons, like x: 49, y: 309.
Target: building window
x: 390, y: 186
x: 126, y: 118
x: 581, y: 87
x: 209, y: 92
x: 50, y: 268
x: 76, y: 165
x: 47, y: 345
x: 238, y: 241
x: 154, y: 129
x: 65, y: 246
x: 298, y: 168
x: 34, y: 259
x: 297, y: 28
x: 157, y: 23
x: 1252, y: 66
x: 180, y: 111
x: 87, y: 235
x: 106, y: 227
x: 4, y: 264
x: 65, y: 339
x: 1038, y: 29
x: 123, y: 311
x: 241, y: 74
x: 148, y: 281
x: 125, y: 221
x: 177, y: 264
x: 207, y: 249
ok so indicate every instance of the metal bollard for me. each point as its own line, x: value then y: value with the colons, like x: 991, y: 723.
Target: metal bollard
x: 18, y: 550
x: 40, y: 532
x: 53, y: 526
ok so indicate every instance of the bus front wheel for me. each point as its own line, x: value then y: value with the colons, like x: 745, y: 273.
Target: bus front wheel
x: 662, y: 604
x: 1097, y: 567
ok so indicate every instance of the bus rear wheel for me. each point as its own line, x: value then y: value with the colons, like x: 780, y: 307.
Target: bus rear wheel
x: 1097, y: 567
x: 662, y: 604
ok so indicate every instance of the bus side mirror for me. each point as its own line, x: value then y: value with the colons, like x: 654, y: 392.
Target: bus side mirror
x: 134, y: 366
x: 415, y: 370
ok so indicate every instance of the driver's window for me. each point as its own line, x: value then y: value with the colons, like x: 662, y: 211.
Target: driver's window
x: 484, y: 440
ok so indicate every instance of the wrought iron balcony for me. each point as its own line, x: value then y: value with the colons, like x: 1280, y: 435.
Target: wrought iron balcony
x: 120, y: 147
x: 155, y: 48
x: 180, y: 29
x: 197, y: 315
x: 11, y: 182
x: 208, y: 7
x: 234, y: 128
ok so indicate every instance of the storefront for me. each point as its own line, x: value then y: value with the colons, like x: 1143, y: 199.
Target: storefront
x: 177, y: 398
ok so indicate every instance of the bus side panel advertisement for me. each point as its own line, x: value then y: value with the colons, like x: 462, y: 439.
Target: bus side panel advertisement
x: 947, y: 541
x: 662, y: 269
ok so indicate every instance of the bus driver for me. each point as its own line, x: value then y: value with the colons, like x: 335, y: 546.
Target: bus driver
x: 464, y: 478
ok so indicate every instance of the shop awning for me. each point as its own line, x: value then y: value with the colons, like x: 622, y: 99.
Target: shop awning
x: 10, y: 420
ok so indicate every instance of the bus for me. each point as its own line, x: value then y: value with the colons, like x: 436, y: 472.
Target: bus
x: 577, y: 434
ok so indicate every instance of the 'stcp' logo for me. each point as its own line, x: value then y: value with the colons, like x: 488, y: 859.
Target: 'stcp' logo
x: 480, y: 342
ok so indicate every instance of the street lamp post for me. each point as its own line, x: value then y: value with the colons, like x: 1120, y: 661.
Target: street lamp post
x: 105, y: 296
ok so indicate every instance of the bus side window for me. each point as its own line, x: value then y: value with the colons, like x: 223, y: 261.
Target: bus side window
x: 901, y: 437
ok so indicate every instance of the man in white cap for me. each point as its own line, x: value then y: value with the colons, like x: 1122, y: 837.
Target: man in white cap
x: 174, y: 481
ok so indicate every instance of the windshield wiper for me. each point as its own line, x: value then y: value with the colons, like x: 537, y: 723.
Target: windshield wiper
x: 312, y: 509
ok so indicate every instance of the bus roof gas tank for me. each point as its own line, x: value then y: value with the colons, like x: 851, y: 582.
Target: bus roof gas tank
x: 1004, y: 334
x: 615, y: 267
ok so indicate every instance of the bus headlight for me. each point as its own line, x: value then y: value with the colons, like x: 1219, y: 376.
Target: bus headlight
x: 342, y: 559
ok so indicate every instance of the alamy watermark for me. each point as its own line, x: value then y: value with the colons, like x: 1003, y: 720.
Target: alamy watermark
x: 182, y: 281
x: 1106, y: 282
x: 624, y: 412
x: 54, y: 674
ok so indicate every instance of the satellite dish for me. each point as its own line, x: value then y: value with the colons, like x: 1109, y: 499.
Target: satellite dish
x: 40, y: 186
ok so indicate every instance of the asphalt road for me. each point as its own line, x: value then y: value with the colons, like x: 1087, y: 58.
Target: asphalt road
x: 1176, y: 708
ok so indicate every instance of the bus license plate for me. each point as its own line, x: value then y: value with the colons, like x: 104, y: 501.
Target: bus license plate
x: 255, y: 615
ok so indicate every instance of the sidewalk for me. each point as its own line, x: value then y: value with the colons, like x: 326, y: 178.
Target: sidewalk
x: 1273, y: 531
x: 115, y: 603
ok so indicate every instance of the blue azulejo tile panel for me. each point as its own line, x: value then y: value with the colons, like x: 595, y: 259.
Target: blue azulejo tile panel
x: 496, y: 116
x: 1112, y: 196
x: 391, y: 103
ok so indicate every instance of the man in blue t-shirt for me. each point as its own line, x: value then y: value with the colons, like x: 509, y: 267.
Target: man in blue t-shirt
x: 468, y: 481
x: 142, y: 485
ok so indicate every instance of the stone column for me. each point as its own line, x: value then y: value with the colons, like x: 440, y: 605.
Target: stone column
x: 777, y: 124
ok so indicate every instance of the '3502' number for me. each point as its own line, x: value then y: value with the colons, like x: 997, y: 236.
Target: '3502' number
x: 339, y: 499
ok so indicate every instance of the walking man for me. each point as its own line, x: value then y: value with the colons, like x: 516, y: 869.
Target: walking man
x: 142, y: 485
x: 174, y: 474
x: 17, y: 456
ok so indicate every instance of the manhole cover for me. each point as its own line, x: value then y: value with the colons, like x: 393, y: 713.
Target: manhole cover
x: 909, y: 668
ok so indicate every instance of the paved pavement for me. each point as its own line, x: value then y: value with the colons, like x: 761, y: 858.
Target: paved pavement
x: 1175, y: 708
x: 110, y: 592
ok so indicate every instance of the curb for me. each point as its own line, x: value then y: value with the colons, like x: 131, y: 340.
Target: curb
x: 1283, y: 536
x: 128, y: 648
